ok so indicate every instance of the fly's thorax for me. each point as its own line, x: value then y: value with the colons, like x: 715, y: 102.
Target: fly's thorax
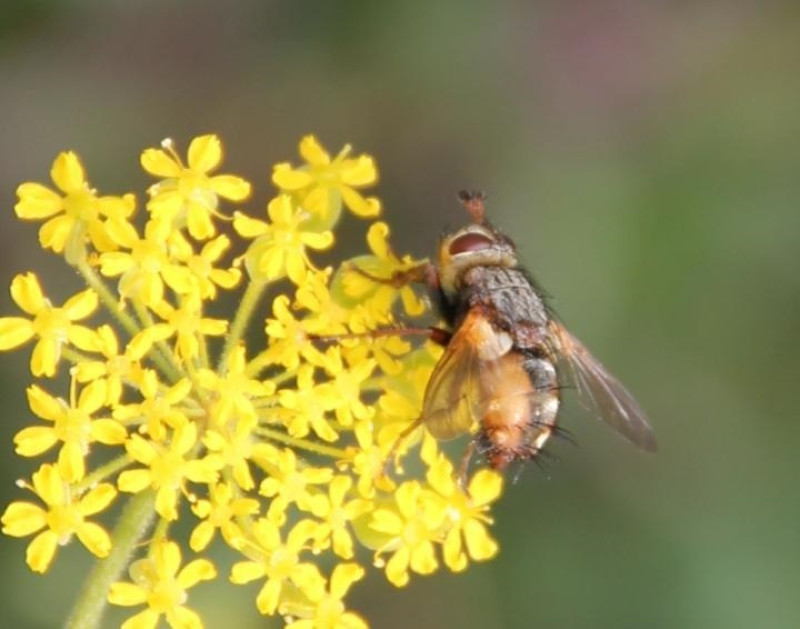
x: 475, y: 245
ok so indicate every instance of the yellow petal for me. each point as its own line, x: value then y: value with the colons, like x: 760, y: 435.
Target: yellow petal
x: 196, y: 571
x: 134, y: 481
x: 122, y: 233
x: 115, y: 263
x: 230, y: 187
x: 322, y: 202
x: 359, y: 172
x: 199, y: 222
x: 423, y: 559
x: 377, y: 239
x: 166, y: 502
x: 67, y: 172
x: 168, y: 558
x: 45, y: 357
x: 479, y: 545
x: 71, y: 462
x: 201, y: 536
x: 108, y: 431
x: 55, y: 233
x: 205, y: 153
x: 485, y: 487
x: 287, y: 178
x: 81, y: 305
x: 14, y: 331
x: 397, y: 568
x: 246, y: 571
x: 160, y: 163
x: 313, y: 152
x: 84, y: 338
x: 249, y: 227
x: 43, y: 404
x: 97, y: 499
x: 366, y: 208
x: 126, y: 594
x: 95, y: 538
x: 41, y: 551
x: 184, y: 618
x: 147, y: 619
x: 318, y: 241
x: 344, y: 575
x: 23, y: 518
x: 34, y: 440
x: 27, y: 293
x: 268, y: 597
x: 36, y: 202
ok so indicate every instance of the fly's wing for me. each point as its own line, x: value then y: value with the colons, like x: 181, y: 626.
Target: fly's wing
x: 602, y: 393
x: 453, y: 397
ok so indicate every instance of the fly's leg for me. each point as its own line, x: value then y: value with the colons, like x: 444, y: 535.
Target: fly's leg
x: 463, y: 468
x: 424, y: 273
x: 437, y: 335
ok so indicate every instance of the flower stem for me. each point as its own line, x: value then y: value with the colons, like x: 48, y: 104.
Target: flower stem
x: 133, y: 523
x: 243, y: 313
x: 304, y: 444
x: 108, y: 298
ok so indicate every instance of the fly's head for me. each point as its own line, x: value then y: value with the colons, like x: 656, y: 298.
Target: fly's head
x: 477, y: 244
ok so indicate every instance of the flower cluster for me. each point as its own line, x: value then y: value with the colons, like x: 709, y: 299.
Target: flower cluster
x: 288, y: 451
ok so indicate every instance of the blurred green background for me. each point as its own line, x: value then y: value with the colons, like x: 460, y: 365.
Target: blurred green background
x: 646, y: 157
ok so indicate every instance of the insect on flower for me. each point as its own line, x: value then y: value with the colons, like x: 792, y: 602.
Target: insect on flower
x: 503, y: 368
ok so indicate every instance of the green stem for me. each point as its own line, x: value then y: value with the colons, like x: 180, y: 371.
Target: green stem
x: 133, y: 523
x: 246, y: 307
x: 104, y: 471
x: 161, y: 354
x: 108, y: 298
x: 303, y: 444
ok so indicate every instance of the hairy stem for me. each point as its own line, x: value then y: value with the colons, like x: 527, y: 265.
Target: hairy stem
x: 133, y: 523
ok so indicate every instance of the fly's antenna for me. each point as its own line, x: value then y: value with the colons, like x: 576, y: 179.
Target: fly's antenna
x: 473, y: 202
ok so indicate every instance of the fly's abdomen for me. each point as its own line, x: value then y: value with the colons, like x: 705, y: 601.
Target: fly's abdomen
x: 521, y: 408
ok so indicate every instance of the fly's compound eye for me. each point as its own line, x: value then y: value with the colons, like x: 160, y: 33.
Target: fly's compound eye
x: 470, y: 242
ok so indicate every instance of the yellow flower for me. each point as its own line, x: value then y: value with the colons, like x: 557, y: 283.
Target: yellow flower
x: 160, y: 583
x: 219, y: 512
x: 410, y: 527
x: 467, y: 513
x: 289, y: 341
x: 235, y: 393
x: 276, y: 440
x: 369, y: 460
x: 64, y: 517
x: 73, y: 425
x: 144, y: 271
x: 289, y: 483
x: 167, y: 469
x: 279, y: 248
x: 346, y: 387
x: 159, y: 409
x: 307, y: 406
x: 204, y: 276
x: 188, y: 195
x: 76, y: 215
x: 116, y: 370
x: 279, y: 562
x: 381, y: 278
x: 339, y: 509
x: 184, y: 322
x: 54, y: 327
x: 234, y: 448
x: 324, y: 183
x: 327, y: 611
